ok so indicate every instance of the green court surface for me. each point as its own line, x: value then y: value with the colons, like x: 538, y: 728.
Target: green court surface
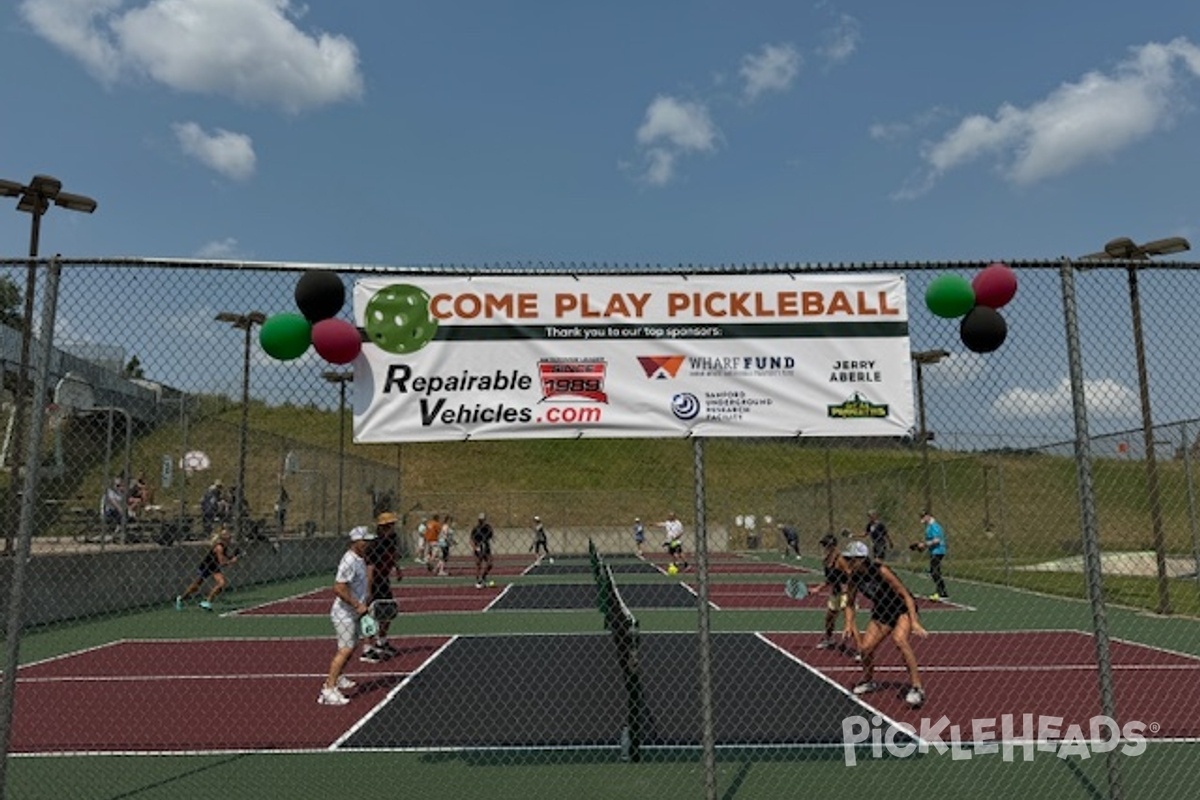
x: 1165, y: 769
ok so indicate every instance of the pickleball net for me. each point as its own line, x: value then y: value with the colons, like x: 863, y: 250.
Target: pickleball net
x: 620, y: 621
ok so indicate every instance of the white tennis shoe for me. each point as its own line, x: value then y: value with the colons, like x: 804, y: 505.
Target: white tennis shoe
x: 332, y: 697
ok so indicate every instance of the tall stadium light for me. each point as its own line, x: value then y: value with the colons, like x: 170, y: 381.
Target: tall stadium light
x: 341, y: 379
x: 34, y: 199
x: 1124, y: 249
x: 923, y: 358
x: 244, y: 322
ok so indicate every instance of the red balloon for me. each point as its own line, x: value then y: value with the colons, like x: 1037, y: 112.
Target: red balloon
x: 994, y: 286
x: 336, y: 341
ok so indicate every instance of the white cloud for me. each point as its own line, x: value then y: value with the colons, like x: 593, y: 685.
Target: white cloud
x: 841, y: 41
x: 1103, y: 397
x: 772, y: 69
x: 247, y: 50
x: 231, y: 154
x: 673, y: 128
x: 219, y: 249
x: 1076, y: 124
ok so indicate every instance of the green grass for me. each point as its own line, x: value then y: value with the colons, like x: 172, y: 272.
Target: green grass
x: 1016, y: 507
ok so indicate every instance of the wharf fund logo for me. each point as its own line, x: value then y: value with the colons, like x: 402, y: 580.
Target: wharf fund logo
x: 573, y: 379
x: 858, y: 407
x: 660, y: 368
x: 685, y: 406
x: 1035, y: 734
x: 760, y: 366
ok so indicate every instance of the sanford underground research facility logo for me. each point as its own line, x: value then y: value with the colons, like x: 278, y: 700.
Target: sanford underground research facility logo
x: 685, y: 406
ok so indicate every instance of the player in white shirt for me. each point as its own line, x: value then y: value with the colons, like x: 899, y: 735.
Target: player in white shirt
x: 350, y: 603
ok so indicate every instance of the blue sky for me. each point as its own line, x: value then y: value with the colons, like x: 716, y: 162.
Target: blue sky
x: 703, y: 132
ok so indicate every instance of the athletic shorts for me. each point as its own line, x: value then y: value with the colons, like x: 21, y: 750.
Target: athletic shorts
x: 345, y: 626
x: 889, y: 613
x: 838, y: 601
x: 674, y: 547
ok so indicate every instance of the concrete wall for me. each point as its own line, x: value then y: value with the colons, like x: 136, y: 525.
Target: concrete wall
x: 65, y: 586
x: 92, y: 581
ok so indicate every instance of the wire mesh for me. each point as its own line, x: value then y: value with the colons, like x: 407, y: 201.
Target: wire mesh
x: 501, y: 679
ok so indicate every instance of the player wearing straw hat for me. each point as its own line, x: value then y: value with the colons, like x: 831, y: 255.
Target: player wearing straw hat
x: 893, y: 610
x: 382, y: 557
x: 349, y: 605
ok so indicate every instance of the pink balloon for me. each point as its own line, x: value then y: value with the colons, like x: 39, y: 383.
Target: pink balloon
x: 994, y: 286
x: 336, y: 340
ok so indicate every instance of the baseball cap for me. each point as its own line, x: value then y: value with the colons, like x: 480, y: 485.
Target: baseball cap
x: 387, y: 518
x: 856, y: 550
x: 361, y: 533
x: 482, y: 515
x: 536, y: 518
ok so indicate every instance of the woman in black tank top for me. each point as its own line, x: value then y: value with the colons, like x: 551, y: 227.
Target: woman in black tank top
x: 893, y: 610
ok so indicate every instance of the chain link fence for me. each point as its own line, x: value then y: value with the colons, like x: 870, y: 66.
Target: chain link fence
x: 1062, y: 657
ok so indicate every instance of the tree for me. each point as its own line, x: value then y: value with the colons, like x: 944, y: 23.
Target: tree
x: 134, y: 369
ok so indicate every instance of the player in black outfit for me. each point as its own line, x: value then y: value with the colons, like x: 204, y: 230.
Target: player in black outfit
x: 837, y: 578
x: 877, y: 534
x: 893, y: 610
x: 481, y: 543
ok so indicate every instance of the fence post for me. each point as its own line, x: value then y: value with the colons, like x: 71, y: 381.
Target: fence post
x: 1088, y: 522
x: 29, y: 499
x: 708, y: 736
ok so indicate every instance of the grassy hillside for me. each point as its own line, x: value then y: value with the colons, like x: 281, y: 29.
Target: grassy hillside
x: 1002, y: 510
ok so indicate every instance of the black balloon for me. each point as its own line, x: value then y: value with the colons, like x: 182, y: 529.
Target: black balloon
x: 983, y: 329
x: 320, y: 295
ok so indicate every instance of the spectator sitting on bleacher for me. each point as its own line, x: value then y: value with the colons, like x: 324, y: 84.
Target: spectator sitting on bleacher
x: 113, y: 505
x: 138, y: 495
x: 212, y: 507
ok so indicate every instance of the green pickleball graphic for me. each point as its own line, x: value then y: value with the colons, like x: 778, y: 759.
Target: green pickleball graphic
x: 398, y: 319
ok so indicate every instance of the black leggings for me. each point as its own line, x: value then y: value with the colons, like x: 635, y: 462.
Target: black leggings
x: 935, y: 572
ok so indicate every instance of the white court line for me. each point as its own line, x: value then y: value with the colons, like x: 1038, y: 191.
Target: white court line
x: 855, y: 698
x: 194, y: 677
x: 1018, y: 668
x: 388, y: 697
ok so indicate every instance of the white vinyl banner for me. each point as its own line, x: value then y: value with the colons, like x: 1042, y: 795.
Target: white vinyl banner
x: 567, y: 356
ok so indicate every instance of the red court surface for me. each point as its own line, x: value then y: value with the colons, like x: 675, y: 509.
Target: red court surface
x: 983, y: 676
x: 424, y: 599
x: 227, y: 695
x: 733, y: 596
x: 121, y: 697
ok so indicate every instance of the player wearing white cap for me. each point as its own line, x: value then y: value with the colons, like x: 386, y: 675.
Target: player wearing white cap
x: 541, y: 544
x: 349, y: 604
x: 893, y: 610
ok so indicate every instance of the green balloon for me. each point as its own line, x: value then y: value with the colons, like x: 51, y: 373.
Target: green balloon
x: 397, y: 319
x: 285, y: 336
x: 950, y: 296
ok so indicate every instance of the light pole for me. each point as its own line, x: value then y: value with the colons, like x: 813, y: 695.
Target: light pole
x: 921, y: 358
x: 244, y: 322
x: 35, y: 198
x: 341, y: 379
x: 1124, y: 248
